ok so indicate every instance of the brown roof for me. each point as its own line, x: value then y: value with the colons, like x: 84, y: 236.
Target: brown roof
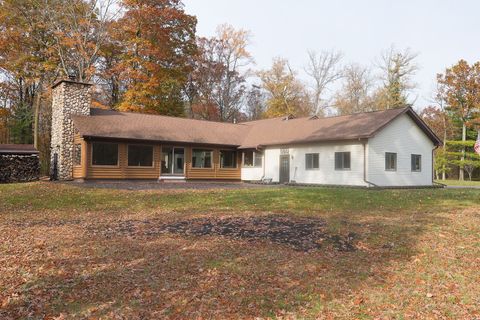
x: 17, y: 149
x: 147, y: 127
x: 253, y: 134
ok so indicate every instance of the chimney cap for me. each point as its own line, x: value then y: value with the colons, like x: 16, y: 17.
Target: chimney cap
x: 70, y: 81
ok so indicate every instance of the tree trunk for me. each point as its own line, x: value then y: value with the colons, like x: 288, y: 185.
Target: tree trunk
x: 444, y: 147
x: 461, y: 175
x: 37, y: 103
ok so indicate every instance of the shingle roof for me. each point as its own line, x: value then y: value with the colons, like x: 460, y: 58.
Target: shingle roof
x: 254, y: 134
x: 127, y: 125
x: 17, y: 149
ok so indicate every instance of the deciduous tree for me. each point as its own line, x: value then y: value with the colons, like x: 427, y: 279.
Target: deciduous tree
x: 158, y: 38
x: 354, y: 96
x: 397, y: 68
x: 461, y: 85
x: 323, y: 68
x: 286, y: 94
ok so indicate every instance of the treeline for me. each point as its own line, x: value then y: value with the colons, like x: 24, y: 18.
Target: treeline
x: 145, y: 56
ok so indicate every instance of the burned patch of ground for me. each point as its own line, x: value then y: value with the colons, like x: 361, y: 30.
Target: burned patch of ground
x: 303, y: 234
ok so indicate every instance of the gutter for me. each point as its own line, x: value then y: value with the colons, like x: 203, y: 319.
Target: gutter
x: 365, y: 166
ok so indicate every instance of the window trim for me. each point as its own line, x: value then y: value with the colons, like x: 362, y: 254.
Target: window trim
x: 106, y: 165
x: 212, y: 157
x: 343, y: 162
x: 75, y: 154
x: 220, y: 160
x: 254, y: 165
x: 396, y: 161
x: 141, y: 145
x: 411, y: 162
x: 312, y: 168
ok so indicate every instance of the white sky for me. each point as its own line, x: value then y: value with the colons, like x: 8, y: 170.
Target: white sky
x: 441, y: 31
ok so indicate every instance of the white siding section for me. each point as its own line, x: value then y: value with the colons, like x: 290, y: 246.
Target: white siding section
x: 252, y: 174
x: 326, y: 174
x: 403, y: 137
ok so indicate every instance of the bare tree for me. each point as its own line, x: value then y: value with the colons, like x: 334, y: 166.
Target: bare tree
x: 355, y: 94
x: 397, y: 69
x: 324, y: 69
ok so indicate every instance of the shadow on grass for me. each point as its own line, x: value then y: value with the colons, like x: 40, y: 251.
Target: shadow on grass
x: 167, y: 275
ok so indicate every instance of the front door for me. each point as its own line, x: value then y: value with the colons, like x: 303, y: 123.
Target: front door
x: 285, y: 168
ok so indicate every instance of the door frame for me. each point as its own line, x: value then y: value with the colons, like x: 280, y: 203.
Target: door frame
x: 172, y: 155
x: 280, y: 180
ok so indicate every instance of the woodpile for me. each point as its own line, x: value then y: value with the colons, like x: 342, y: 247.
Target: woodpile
x: 19, y: 168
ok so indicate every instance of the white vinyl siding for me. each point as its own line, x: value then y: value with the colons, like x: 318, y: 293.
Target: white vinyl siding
x: 403, y: 137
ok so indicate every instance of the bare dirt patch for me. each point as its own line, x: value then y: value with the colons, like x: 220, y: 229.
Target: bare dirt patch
x: 302, y: 234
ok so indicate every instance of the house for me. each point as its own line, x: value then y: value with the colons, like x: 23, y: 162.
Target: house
x: 384, y: 148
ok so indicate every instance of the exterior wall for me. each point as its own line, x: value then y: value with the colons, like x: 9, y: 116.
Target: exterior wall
x: 68, y: 98
x: 326, y: 174
x: 403, y: 137
x: 211, y: 173
x: 122, y: 171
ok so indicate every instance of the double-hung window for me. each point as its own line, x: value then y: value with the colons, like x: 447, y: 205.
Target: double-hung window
x: 390, y: 161
x: 416, y: 163
x: 342, y: 160
x: 312, y: 161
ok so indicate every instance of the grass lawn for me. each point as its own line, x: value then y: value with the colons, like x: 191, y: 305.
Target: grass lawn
x: 465, y: 183
x: 76, y: 253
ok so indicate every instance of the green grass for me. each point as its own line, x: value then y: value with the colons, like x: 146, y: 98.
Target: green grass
x: 417, y: 253
x: 465, y: 183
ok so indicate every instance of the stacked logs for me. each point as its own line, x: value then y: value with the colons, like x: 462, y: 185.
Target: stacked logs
x: 19, y: 168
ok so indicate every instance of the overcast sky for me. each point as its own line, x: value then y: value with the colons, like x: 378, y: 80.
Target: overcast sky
x: 440, y: 31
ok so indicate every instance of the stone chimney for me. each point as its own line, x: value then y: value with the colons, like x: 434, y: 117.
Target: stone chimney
x: 68, y: 98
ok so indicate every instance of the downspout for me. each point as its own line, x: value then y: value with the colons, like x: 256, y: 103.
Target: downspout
x: 433, y: 170
x: 365, y: 166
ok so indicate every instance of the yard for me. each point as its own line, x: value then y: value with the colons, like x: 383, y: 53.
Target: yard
x: 73, y: 252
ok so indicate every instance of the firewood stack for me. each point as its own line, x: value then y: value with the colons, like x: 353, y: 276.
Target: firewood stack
x: 18, y: 165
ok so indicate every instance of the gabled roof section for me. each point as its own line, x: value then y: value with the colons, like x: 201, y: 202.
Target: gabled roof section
x: 247, y: 135
x: 304, y: 130
x: 146, y: 127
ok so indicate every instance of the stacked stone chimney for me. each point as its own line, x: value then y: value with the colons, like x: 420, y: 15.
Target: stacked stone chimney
x: 68, y: 98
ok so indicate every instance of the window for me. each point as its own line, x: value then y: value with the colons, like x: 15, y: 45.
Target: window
x: 390, y: 161
x: 416, y: 162
x: 312, y: 161
x: 228, y: 159
x: 342, y: 160
x: 104, y: 154
x: 258, y: 158
x: 77, y: 154
x: 201, y: 158
x: 140, y: 156
x: 252, y: 159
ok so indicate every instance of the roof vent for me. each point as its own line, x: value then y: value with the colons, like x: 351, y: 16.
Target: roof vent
x: 289, y: 117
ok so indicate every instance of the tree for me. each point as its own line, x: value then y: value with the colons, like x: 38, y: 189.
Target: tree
x: 354, y: 95
x: 286, y: 95
x: 324, y: 70
x: 158, y: 40
x: 255, y: 105
x: 438, y: 120
x: 217, y: 87
x: 397, y: 69
x: 462, y: 94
